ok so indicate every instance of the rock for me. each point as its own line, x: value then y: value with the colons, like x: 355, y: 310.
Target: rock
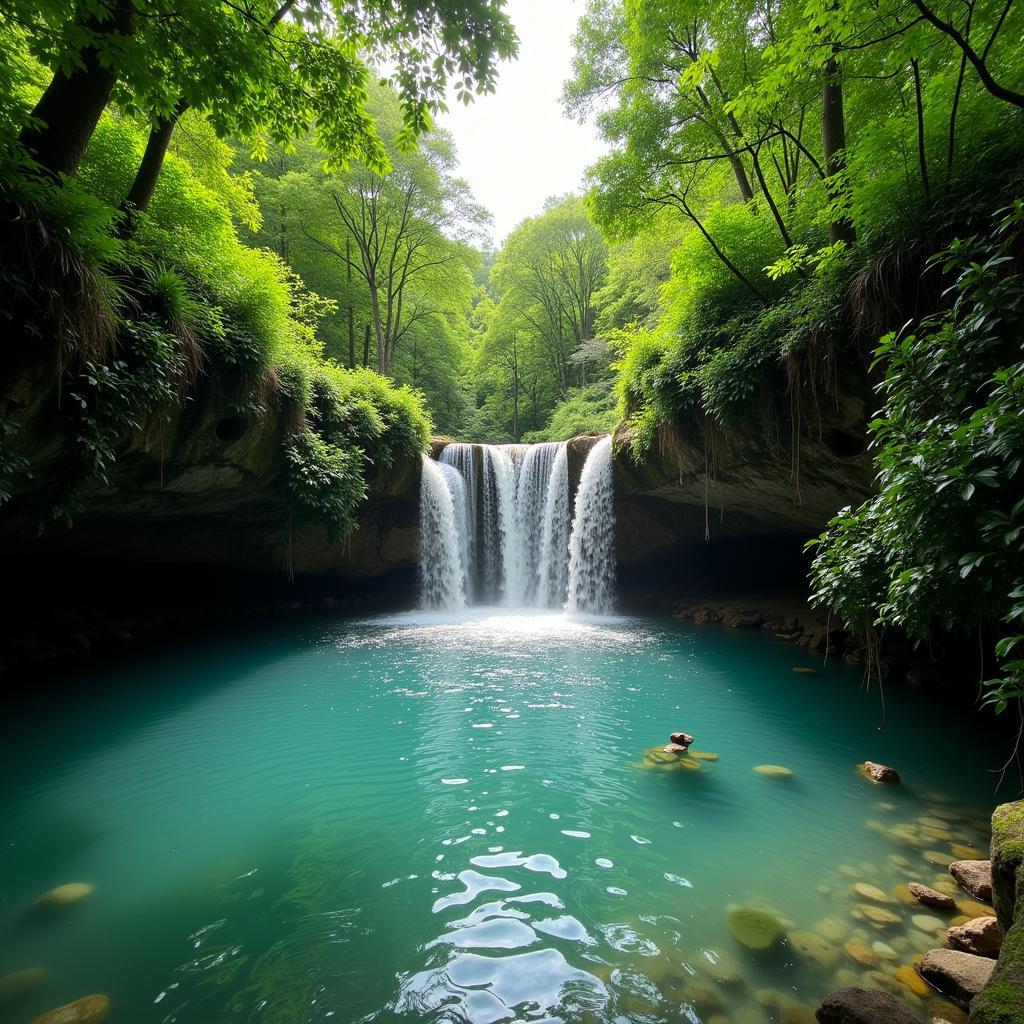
x: 878, y: 773
x: 720, y: 967
x: 701, y: 995
x: 753, y: 928
x: 931, y: 898
x: 962, y: 852
x: 878, y: 916
x: 982, y: 936
x: 17, y: 984
x: 805, y: 671
x: 871, y: 892
x: 884, y: 950
x: 813, y: 947
x: 674, y: 748
x: 707, y: 615
x: 773, y: 771
x: 704, y: 755
x: 854, y: 1005
x: 861, y: 954
x: 960, y: 976
x: 798, y: 1015
x: 907, y: 976
x: 62, y: 895
x: 682, y: 739
x: 744, y: 620
x: 975, y: 876
x: 87, y: 1010
x: 928, y: 923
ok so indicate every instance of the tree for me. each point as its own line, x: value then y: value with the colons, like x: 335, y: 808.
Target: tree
x: 262, y: 69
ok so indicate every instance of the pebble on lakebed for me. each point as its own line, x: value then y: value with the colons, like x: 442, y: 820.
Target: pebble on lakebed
x: 756, y: 929
x: 18, y: 984
x: 773, y: 771
x: 87, y: 1010
x: 62, y: 895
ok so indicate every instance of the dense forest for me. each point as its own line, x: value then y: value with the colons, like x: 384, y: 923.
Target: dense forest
x: 798, y: 198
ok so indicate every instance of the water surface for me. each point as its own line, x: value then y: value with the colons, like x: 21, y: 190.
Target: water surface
x: 421, y: 818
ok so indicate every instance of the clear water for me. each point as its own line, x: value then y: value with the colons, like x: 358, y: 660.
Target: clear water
x: 428, y: 819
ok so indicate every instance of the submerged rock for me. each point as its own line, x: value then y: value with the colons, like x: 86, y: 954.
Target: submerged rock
x: 878, y: 916
x: 975, y: 876
x: 87, y: 1010
x: 62, y: 895
x: 674, y: 748
x: 773, y: 771
x: 861, y: 954
x: 813, y: 947
x: 704, y: 755
x: 879, y: 773
x: 854, y: 1005
x: 18, y: 984
x: 753, y: 928
x: 871, y: 892
x: 930, y: 897
x: 982, y: 936
x: 961, y: 976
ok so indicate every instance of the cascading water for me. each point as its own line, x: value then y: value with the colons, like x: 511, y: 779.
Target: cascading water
x: 442, y: 581
x: 591, y: 547
x: 514, y: 540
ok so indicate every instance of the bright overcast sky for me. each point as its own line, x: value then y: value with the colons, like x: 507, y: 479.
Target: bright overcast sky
x: 515, y: 147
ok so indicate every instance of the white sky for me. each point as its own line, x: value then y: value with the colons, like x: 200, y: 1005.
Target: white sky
x: 515, y: 147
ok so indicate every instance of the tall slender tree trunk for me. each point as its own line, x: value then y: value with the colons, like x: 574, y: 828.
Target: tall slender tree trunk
x: 146, y: 177
x: 68, y: 111
x: 351, y: 311
x: 833, y: 142
x: 366, y: 345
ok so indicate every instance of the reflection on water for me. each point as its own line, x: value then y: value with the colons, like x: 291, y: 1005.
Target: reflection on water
x: 466, y: 819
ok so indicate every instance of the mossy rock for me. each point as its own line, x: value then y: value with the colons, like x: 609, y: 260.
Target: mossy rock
x: 1007, y: 859
x: 755, y: 929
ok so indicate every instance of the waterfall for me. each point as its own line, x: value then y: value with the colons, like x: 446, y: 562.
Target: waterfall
x: 497, y: 527
x: 553, y: 563
x: 442, y: 582
x: 460, y: 458
x: 592, y: 545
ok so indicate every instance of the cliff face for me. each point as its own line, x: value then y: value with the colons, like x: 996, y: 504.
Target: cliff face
x: 739, y: 484
x: 207, y: 488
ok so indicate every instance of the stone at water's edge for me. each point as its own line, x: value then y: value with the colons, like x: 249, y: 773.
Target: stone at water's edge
x: 682, y: 739
x: 982, y: 936
x: 1002, y: 1000
x: 975, y: 876
x: 930, y: 897
x: 960, y: 976
x: 853, y: 1005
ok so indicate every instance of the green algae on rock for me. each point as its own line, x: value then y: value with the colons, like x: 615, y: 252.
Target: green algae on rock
x: 755, y: 929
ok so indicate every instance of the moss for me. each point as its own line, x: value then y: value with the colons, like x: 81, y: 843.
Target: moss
x: 1002, y: 1000
x: 1007, y: 858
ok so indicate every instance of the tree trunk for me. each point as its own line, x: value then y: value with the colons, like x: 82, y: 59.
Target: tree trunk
x: 148, y: 173
x: 833, y: 142
x: 515, y: 391
x: 351, y: 311
x: 68, y: 111
x: 366, y: 345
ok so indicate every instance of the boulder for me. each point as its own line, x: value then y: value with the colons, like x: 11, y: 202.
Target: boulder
x: 879, y: 773
x: 707, y: 615
x: 960, y: 976
x: 682, y: 739
x: 674, y: 748
x: 87, y: 1010
x: 853, y: 1005
x: 931, y: 897
x: 871, y: 892
x: 753, y: 928
x: 982, y: 936
x: 975, y: 876
x: 745, y: 620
